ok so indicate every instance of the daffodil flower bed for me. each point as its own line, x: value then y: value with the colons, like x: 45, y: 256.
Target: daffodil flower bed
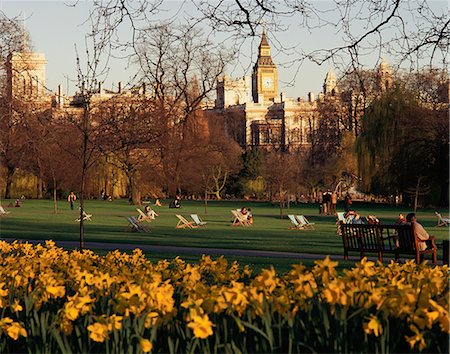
x: 52, y: 300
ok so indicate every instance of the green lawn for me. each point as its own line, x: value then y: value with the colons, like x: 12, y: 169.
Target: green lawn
x: 35, y: 220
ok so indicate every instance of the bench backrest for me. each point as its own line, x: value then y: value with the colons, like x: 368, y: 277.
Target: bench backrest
x: 379, y: 238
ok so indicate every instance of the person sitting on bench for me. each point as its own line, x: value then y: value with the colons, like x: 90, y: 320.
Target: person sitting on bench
x: 419, y: 231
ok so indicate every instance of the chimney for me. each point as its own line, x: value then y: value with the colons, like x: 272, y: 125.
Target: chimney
x: 310, y: 96
x: 281, y: 96
x: 60, y: 99
x: 144, y: 88
x: 120, y: 87
x: 100, y: 87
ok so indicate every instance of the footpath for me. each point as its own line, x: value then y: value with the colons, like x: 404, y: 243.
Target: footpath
x: 106, y: 246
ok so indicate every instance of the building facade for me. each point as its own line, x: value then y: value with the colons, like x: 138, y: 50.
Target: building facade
x: 269, y: 119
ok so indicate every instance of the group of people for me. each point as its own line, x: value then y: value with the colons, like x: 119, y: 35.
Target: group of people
x: 353, y: 217
x: 329, y: 203
x: 419, y: 230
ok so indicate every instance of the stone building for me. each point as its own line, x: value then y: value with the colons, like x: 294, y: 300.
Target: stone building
x: 25, y: 74
x: 269, y: 119
x: 266, y: 118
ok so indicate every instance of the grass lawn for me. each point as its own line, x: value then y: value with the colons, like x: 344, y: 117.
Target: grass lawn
x: 35, y: 220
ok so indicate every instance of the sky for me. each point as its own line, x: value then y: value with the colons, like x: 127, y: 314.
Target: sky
x: 56, y: 28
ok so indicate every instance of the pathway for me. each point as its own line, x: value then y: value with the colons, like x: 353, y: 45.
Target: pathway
x: 190, y: 250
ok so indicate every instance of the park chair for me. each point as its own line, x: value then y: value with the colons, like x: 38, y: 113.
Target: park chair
x: 141, y: 227
x: 295, y: 223
x: 239, y: 219
x: 304, y: 222
x: 197, y: 220
x: 341, y: 217
x: 143, y: 217
x: 183, y: 223
x: 86, y: 217
x: 135, y: 225
x: 442, y: 221
x: 3, y: 212
x: 341, y: 220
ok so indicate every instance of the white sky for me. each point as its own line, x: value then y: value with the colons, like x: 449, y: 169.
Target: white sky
x: 56, y: 28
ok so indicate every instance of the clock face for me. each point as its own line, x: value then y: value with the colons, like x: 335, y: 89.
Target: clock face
x: 267, y: 82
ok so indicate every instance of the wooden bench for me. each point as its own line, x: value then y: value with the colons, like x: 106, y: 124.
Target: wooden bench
x: 381, y: 239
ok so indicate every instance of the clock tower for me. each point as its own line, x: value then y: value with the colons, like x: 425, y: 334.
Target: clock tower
x: 265, y: 75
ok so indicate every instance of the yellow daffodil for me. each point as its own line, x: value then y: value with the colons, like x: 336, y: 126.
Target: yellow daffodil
x: 98, y: 332
x: 15, y: 329
x: 373, y: 326
x: 202, y: 326
x: 145, y: 345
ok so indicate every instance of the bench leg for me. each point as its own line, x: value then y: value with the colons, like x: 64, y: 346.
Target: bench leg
x: 434, y: 257
x: 380, y: 256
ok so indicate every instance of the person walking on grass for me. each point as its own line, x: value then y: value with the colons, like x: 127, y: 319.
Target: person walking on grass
x: 71, y: 199
x: 334, y: 199
x: 347, y: 202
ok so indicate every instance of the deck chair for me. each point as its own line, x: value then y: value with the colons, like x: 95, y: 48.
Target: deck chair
x: 197, y: 220
x: 3, y: 211
x: 304, y: 222
x: 137, y: 226
x: 442, y: 221
x: 134, y: 225
x: 341, y: 217
x: 239, y: 219
x: 143, y: 217
x: 183, y: 223
x: 341, y: 220
x: 295, y: 224
x: 86, y: 217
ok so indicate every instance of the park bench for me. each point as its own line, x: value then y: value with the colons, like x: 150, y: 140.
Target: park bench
x: 381, y: 239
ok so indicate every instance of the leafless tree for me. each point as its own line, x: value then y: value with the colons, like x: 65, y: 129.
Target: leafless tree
x: 182, y: 68
x: 412, y: 31
x: 13, y: 38
x: 129, y: 129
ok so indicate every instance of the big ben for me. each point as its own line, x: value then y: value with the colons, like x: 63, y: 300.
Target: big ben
x: 265, y: 75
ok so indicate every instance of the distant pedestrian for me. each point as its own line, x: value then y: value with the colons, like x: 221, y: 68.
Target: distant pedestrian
x: 347, y: 202
x: 324, y: 203
x: 334, y: 199
x: 71, y: 199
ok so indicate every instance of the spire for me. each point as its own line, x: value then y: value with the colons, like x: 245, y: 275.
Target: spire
x: 264, y: 42
x: 330, y: 75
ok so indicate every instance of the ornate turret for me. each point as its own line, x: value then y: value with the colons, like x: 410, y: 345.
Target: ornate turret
x: 265, y: 75
x: 384, y: 77
x: 330, y: 83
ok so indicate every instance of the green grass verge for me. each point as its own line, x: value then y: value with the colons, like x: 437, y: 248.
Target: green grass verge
x: 36, y: 220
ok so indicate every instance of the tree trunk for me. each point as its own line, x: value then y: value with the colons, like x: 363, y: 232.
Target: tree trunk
x: 39, y: 193
x: 281, y: 204
x: 135, y: 193
x: 9, y: 178
x: 83, y: 177
x: 55, y: 206
x: 206, y: 201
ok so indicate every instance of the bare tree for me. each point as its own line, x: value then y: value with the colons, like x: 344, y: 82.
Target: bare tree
x: 182, y: 67
x: 411, y: 31
x: 129, y: 131
x: 13, y: 38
